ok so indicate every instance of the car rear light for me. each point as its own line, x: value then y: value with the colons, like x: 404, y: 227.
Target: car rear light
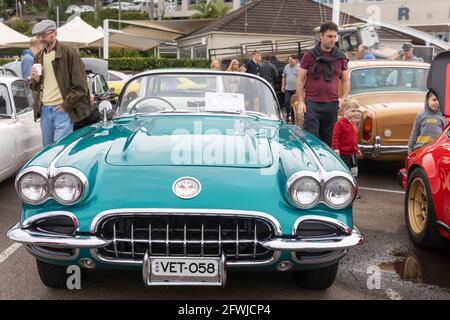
x: 367, y: 129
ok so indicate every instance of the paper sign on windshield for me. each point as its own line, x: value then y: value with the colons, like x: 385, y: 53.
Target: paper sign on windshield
x: 227, y: 102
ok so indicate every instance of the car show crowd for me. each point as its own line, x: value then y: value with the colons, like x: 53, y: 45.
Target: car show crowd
x: 320, y: 99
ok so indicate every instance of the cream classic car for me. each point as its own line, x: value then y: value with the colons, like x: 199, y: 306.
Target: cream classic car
x: 391, y: 94
x: 20, y: 136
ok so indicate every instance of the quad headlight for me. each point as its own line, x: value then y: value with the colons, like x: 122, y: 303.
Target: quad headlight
x: 307, y: 189
x: 67, y: 188
x: 33, y: 187
x: 304, y: 192
x: 339, y: 192
x: 66, y: 185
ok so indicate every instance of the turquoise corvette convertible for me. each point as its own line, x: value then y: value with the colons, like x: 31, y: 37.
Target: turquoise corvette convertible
x: 197, y: 175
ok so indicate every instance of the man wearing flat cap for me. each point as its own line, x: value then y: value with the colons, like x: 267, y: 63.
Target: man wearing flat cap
x: 63, y: 94
x: 408, y: 52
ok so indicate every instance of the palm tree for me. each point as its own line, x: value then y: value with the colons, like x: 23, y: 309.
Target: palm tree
x: 210, y: 10
x: 220, y: 8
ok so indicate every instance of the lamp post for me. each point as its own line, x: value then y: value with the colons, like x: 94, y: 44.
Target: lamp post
x: 120, y: 14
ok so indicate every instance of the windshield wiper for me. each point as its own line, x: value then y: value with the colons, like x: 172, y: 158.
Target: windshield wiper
x: 5, y: 116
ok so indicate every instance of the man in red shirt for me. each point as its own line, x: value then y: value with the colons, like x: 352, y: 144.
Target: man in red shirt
x: 321, y: 69
x: 345, y: 136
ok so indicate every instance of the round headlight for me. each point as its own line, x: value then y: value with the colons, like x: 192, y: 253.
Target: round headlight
x: 339, y: 192
x: 305, y: 192
x: 67, y: 188
x: 33, y: 188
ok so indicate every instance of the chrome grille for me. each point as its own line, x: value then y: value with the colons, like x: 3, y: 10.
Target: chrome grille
x: 185, y: 235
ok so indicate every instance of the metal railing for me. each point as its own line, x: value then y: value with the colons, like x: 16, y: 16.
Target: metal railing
x: 277, y: 47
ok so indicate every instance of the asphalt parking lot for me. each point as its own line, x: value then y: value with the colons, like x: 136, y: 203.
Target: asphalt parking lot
x: 401, y: 271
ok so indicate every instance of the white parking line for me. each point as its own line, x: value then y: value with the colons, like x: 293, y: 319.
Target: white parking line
x: 381, y: 190
x: 9, y: 251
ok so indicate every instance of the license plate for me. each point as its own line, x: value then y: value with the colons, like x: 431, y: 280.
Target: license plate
x: 184, y: 271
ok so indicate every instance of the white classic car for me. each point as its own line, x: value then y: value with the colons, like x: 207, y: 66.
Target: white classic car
x: 20, y: 136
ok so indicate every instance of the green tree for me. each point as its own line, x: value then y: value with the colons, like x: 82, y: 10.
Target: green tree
x: 220, y: 9
x: 22, y: 26
x: 3, y: 7
x: 211, y: 10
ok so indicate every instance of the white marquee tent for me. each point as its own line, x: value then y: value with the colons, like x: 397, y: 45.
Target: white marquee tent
x: 78, y: 33
x: 9, y: 38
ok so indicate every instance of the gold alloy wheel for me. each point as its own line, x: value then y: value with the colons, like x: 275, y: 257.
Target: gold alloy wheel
x: 411, y: 270
x: 417, y: 205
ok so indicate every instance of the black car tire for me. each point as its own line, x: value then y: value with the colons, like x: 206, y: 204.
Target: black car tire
x: 316, y: 279
x: 51, y: 275
x: 429, y: 237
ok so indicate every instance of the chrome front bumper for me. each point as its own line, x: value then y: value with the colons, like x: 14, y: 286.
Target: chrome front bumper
x: 375, y: 150
x: 316, y: 245
x: 44, y: 239
x: 35, y: 238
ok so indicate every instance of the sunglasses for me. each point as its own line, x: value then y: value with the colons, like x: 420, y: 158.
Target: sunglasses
x: 44, y: 35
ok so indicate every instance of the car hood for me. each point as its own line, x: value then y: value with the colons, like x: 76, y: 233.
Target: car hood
x: 193, y: 141
x: 119, y: 160
x: 190, y: 140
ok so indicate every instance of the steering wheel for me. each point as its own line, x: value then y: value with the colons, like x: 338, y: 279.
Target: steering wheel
x: 148, y: 107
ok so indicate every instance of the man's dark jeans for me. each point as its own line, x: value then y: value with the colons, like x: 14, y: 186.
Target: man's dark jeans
x: 287, y: 101
x: 320, y: 118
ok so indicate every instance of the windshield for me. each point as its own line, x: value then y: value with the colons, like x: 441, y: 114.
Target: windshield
x: 213, y: 92
x: 388, y: 79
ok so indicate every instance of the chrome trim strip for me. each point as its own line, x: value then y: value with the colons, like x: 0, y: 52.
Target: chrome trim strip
x: 317, y: 245
x: 335, y: 222
x: 28, y: 222
x: 50, y: 240
x: 51, y: 167
x: 203, y: 114
x: 187, y: 212
x: 330, y: 257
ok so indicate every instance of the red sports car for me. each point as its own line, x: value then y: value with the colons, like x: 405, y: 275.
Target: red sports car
x: 426, y: 176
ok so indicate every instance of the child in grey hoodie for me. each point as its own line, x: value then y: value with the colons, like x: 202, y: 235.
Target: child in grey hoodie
x: 428, y: 125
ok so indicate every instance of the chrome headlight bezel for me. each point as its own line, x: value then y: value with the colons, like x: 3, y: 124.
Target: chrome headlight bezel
x: 294, y: 180
x: 50, y: 177
x: 78, y: 175
x: 322, y: 179
x: 36, y: 171
x: 352, y: 189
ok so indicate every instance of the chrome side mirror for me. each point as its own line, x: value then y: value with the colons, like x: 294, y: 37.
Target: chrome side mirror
x: 104, y: 107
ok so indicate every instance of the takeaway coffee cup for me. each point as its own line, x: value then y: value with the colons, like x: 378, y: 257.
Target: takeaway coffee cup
x: 38, y: 68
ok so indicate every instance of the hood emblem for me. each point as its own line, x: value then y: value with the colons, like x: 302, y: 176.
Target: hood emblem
x: 186, y: 188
